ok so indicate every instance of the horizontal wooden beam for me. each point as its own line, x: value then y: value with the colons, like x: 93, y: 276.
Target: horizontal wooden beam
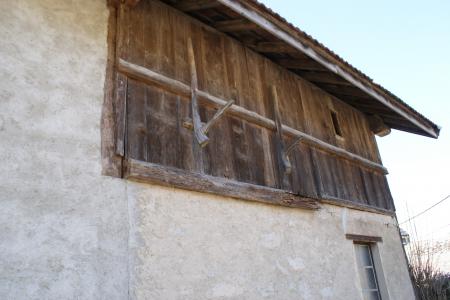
x: 323, y: 77
x: 371, y: 109
x: 235, y: 25
x: 346, y: 90
x: 173, y: 177
x: 300, y: 64
x: 327, y: 199
x: 194, y: 5
x: 178, y: 87
x: 269, y: 47
x: 288, y: 36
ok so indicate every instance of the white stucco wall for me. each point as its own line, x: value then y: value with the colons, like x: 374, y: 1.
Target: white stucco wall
x: 198, y: 246
x: 63, y: 227
x: 66, y: 232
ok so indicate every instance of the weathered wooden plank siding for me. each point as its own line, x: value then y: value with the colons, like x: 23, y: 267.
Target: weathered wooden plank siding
x: 154, y: 35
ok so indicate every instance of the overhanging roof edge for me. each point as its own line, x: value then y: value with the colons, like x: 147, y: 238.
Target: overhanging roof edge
x: 293, y: 36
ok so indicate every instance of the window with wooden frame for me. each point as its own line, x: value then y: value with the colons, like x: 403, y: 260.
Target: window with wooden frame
x: 369, y: 266
x: 190, y: 107
x: 367, y: 273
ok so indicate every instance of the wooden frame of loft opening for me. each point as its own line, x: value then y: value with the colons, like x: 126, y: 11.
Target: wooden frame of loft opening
x: 116, y: 163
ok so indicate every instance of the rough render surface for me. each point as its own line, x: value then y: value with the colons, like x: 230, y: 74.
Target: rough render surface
x: 69, y: 233
x: 63, y: 227
x: 197, y: 246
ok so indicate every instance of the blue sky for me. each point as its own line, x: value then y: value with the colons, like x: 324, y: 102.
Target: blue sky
x: 405, y: 47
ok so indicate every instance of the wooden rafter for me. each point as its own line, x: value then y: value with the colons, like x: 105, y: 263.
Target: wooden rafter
x: 269, y: 47
x: 300, y: 64
x: 323, y: 77
x: 194, y: 5
x: 235, y: 25
x: 344, y: 90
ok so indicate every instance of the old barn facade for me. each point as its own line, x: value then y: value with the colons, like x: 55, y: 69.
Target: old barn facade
x: 191, y: 150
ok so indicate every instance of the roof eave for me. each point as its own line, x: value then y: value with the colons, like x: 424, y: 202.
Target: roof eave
x: 274, y: 24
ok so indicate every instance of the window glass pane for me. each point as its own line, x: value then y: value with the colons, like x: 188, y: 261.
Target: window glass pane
x: 370, y: 279
x: 364, y: 254
x: 367, y: 275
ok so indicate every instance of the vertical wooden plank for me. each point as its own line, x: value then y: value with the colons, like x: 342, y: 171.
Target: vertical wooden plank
x: 350, y: 182
x: 170, y: 131
x: 339, y: 168
x: 123, y: 26
x: 308, y: 154
x: 185, y: 155
x: 120, y: 104
x: 215, y: 82
x: 346, y: 124
x: 136, y: 116
x: 336, y: 172
x: 158, y: 108
x: 365, y: 185
x: 256, y: 155
x: 111, y: 158
x: 358, y: 184
x: 373, y: 189
x: 242, y: 129
x: 284, y: 165
x: 370, y: 142
x: 287, y: 106
x: 357, y: 138
x: 256, y: 66
x: 328, y: 186
x: 385, y: 200
x: 388, y: 196
x: 136, y: 129
x: 303, y: 176
x: 348, y: 179
x: 236, y: 82
x: 322, y: 175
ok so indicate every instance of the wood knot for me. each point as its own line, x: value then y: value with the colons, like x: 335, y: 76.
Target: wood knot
x: 141, y: 130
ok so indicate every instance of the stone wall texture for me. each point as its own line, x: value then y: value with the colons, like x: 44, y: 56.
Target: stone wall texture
x: 66, y: 232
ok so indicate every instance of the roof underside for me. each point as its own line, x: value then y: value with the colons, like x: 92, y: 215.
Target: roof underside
x: 269, y: 34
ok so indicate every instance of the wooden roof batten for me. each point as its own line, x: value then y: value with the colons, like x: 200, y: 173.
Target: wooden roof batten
x: 320, y: 65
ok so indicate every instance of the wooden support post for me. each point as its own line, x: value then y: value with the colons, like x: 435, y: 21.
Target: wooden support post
x: 285, y: 167
x: 199, y: 137
x: 198, y: 133
x: 217, y: 116
x: 201, y: 130
x: 206, y: 127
